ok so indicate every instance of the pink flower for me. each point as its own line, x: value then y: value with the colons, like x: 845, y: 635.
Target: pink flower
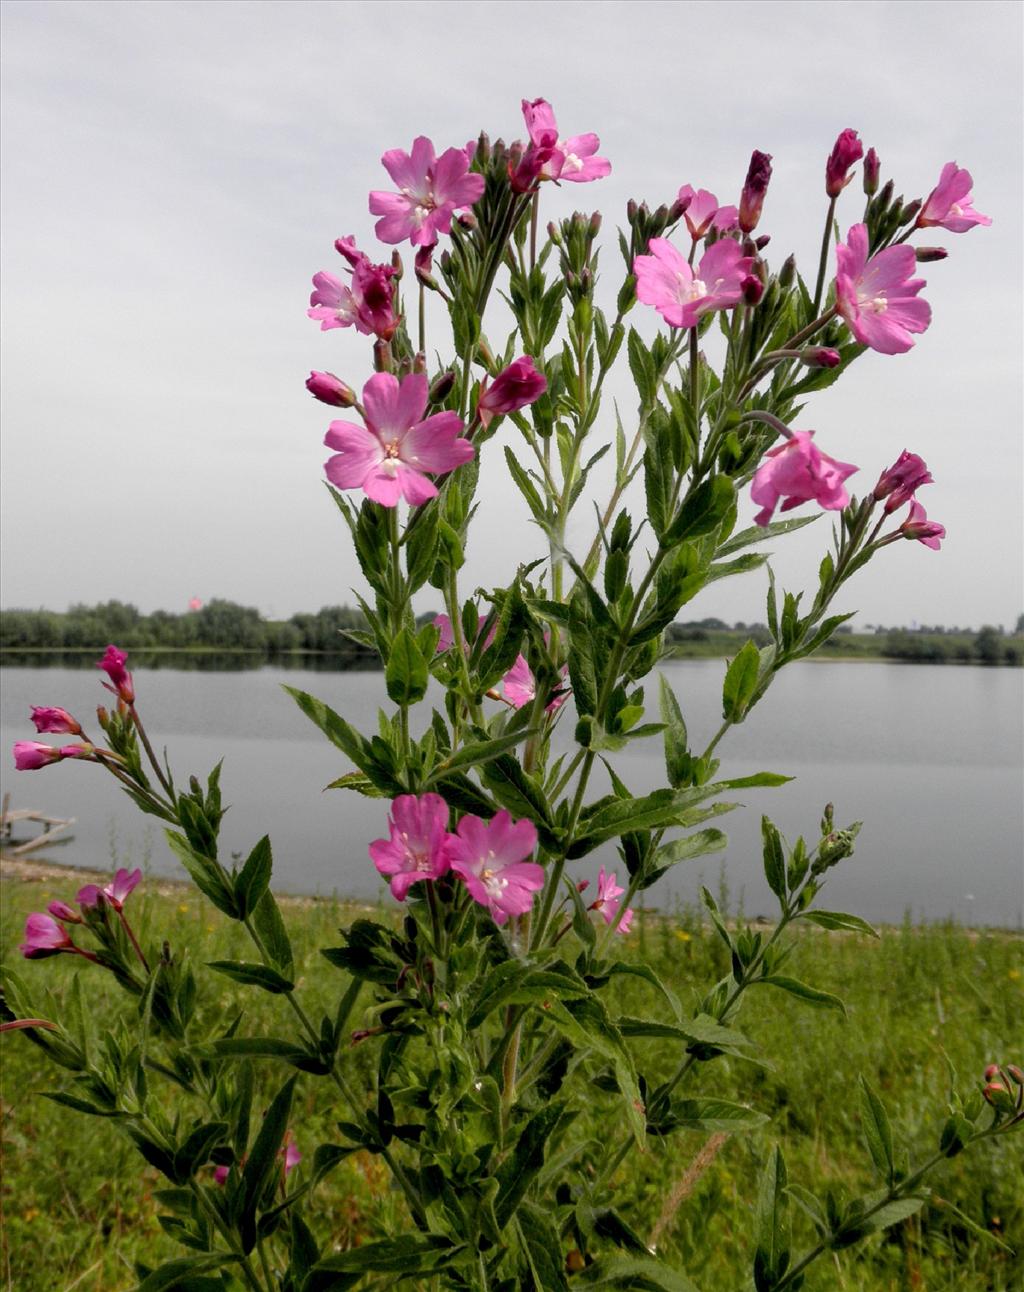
x: 55, y: 722
x: 847, y: 150
x: 520, y: 686
x: 330, y: 389
x: 754, y: 188
x: 703, y: 212
x: 61, y: 911
x: 569, y: 159
x: 44, y: 937
x: 388, y: 456
x: 917, y: 525
x: 900, y: 481
x: 950, y: 202
x: 30, y: 755
x: 681, y: 296
x: 367, y: 305
x: 490, y: 857
x: 429, y: 191
x: 220, y: 1175
x: 878, y: 296
x: 290, y: 1152
x: 518, y: 385
x: 820, y: 356
x: 419, y: 844
x: 116, y: 892
x: 799, y: 472
x: 447, y: 637
x: 113, y: 664
x: 195, y: 604
x: 608, y: 894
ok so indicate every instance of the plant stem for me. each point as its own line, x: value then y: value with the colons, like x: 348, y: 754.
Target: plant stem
x: 133, y: 940
x: 823, y: 259
x: 168, y: 788
x: 423, y: 320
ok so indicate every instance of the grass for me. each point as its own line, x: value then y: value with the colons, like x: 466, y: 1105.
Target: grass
x: 78, y: 1204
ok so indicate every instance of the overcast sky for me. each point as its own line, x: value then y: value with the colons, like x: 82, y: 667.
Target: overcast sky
x: 174, y: 173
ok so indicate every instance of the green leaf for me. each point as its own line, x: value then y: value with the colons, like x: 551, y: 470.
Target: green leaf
x: 810, y: 995
x: 756, y: 781
x: 702, y: 511
x: 586, y: 1024
x: 406, y: 673
x: 514, y: 983
x: 692, y: 845
x: 542, y: 1247
x: 525, y: 1161
x: 252, y: 975
x: 251, y: 1047
x: 771, y: 1257
x: 740, y: 683
x: 262, y: 1164
x: 877, y: 1131
x: 174, y: 1275
x: 645, y: 972
x: 479, y: 752
x: 839, y: 920
x: 206, y: 873
x: 677, y: 749
x: 774, y: 858
x: 761, y: 534
x: 891, y: 1214
x: 267, y: 921
x: 633, y: 1274
x: 713, y: 1115
x: 253, y: 879
x: 196, y: 1150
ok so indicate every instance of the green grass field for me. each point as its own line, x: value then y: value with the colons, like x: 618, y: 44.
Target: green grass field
x: 78, y: 1203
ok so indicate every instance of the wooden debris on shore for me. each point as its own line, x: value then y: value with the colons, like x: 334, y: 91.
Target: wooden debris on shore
x: 52, y: 827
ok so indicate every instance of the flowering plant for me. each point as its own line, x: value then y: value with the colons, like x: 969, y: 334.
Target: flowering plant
x: 490, y: 1008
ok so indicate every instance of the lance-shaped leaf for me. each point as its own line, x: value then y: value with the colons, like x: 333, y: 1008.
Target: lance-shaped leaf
x: 839, y: 920
x: 710, y: 1115
x: 404, y: 1254
x: 520, y: 1168
x: 702, y: 511
x: 877, y: 1132
x: 253, y: 879
x: 740, y: 683
x: 542, y: 1247
x: 406, y: 672
x: 810, y: 995
x: 262, y: 1164
x: 771, y: 1257
x: 251, y: 974
x: 678, y: 761
x: 632, y: 1273
x: 774, y: 858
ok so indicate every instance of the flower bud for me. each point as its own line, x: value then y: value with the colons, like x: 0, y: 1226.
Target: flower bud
x: 899, y: 483
x: 871, y: 168
x: 1015, y: 1074
x: 382, y: 356
x: 466, y: 220
x: 925, y: 255
x: 442, y: 387
x: 631, y: 210
x: 61, y: 911
x: 419, y: 363
x: 583, y: 885
x: 330, y: 389
x: 483, y: 148
x: 661, y: 215
x: 992, y: 1071
x: 102, y: 716
x: 910, y: 211
x: 595, y: 224
x: 749, y: 247
x: 55, y: 721
x: 752, y: 289
x: 996, y: 1093
x: 397, y: 267
x: 820, y: 356
x: 847, y: 150
x: 787, y: 274
x: 346, y: 247
x: 885, y: 197
x: 762, y: 242
x: 554, y: 233
x: 755, y: 187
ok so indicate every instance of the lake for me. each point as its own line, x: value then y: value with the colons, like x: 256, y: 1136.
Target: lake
x: 930, y: 758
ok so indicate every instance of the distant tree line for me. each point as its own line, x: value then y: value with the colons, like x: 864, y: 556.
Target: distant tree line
x: 218, y: 625
x: 989, y: 646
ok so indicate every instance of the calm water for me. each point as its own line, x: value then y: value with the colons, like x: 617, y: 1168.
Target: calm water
x: 929, y: 758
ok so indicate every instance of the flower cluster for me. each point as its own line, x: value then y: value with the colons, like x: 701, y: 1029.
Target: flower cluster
x: 47, y: 934
x: 489, y: 857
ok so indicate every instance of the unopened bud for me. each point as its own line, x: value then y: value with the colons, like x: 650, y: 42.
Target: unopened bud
x: 498, y: 151
x: 925, y: 255
x: 992, y: 1071
x: 570, y: 278
x: 595, y: 224
x: 483, y: 148
x: 330, y: 389
x: 445, y: 261
x: 382, y: 356
x: 631, y: 210
x: 872, y: 166
x: 820, y: 356
x: 515, y: 154
x: 419, y: 363
x: 466, y: 219
x: 787, y: 274
x: 755, y: 186
x: 749, y: 247
x: 762, y: 242
x: 681, y: 205
x: 583, y: 885
x: 885, y: 197
x: 661, y: 214
x: 586, y: 279
x: 484, y: 353
x: 752, y: 289
x: 554, y: 233
x: 397, y: 267
x: 910, y: 211
x: 102, y: 716
x: 995, y: 1092
x: 404, y: 367
x: 442, y: 387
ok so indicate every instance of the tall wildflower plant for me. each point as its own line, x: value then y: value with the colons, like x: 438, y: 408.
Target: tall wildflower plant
x: 490, y: 1008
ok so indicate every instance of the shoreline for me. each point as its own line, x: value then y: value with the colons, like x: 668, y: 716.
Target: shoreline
x: 21, y: 870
